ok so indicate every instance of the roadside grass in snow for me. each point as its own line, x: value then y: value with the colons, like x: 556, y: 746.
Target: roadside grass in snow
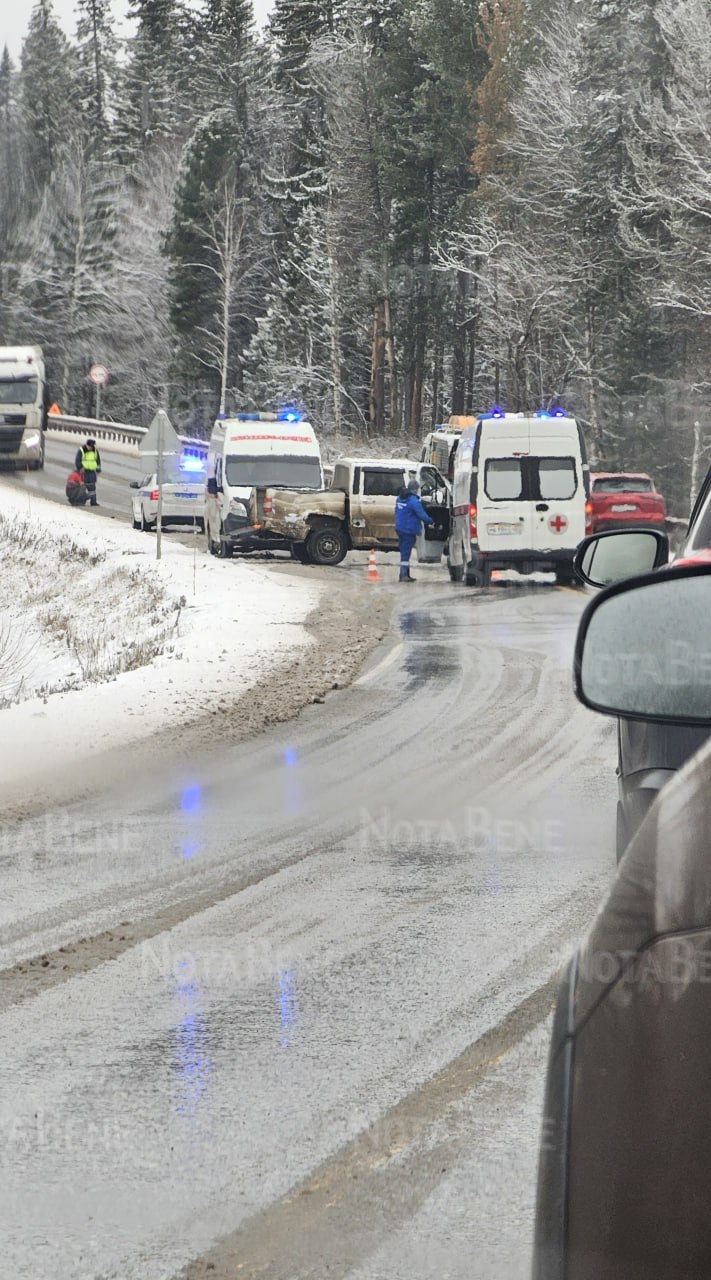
x: 73, y: 611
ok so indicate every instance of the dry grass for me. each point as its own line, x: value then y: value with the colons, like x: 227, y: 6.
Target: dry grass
x: 64, y: 596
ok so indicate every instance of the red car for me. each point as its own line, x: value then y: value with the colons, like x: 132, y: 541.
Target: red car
x: 621, y: 499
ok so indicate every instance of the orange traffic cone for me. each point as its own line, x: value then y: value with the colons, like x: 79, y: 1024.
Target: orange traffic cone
x: 372, y: 575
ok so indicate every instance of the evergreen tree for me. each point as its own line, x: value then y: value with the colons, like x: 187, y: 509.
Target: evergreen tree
x: 97, y: 69
x: 157, y: 105
x: 12, y: 171
x: 48, y: 94
x: 211, y: 244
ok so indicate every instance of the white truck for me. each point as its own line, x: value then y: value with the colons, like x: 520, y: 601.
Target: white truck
x: 24, y: 400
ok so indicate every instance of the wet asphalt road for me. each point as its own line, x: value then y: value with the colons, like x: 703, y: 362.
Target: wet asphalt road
x: 118, y: 469
x: 312, y: 973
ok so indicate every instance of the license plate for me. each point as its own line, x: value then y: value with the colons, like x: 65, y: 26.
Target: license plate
x: 502, y: 529
x: 624, y: 506
x: 186, y: 495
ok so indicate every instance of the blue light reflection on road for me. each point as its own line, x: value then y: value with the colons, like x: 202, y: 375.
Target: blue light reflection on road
x: 191, y: 809
x: 191, y: 798
x: 288, y: 1003
x: 193, y: 1064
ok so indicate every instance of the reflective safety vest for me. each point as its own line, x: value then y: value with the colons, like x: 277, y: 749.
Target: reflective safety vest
x: 89, y: 460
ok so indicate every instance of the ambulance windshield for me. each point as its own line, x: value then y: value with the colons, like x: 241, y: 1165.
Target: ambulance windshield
x: 288, y: 473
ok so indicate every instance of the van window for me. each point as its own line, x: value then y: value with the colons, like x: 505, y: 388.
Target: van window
x: 381, y: 484
x: 503, y: 479
x: 290, y: 472
x: 556, y: 478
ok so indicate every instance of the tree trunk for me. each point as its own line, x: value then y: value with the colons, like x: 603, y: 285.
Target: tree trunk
x: 334, y: 315
x: 377, y: 369
x: 459, y: 357
x: 395, y: 421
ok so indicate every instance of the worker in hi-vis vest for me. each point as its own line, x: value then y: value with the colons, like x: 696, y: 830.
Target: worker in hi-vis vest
x: 88, y: 461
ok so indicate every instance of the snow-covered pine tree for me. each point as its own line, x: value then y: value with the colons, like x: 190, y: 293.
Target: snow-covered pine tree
x: 48, y: 95
x: 12, y: 168
x: 96, y: 68
x: 156, y: 105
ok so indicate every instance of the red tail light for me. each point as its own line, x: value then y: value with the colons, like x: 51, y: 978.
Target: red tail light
x: 267, y: 504
x: 153, y: 495
x: 472, y: 522
x: 588, y: 517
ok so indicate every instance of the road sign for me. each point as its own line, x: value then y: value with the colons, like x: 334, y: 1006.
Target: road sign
x: 160, y: 439
x: 99, y: 375
x: 161, y: 436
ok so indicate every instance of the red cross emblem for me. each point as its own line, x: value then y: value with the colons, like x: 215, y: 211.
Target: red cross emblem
x: 558, y: 523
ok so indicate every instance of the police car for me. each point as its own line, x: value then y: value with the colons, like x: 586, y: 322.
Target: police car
x: 183, y: 497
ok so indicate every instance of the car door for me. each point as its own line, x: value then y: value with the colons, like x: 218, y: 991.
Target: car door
x: 435, y: 498
x: 374, y: 506
x: 504, y: 520
x: 558, y: 515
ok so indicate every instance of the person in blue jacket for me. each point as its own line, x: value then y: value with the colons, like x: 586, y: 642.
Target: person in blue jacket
x: 409, y: 515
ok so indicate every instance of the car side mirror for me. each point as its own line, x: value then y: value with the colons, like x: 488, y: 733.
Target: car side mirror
x: 620, y: 553
x: 643, y: 649
x: 212, y: 486
x: 135, y: 484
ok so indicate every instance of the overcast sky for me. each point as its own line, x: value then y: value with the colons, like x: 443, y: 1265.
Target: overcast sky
x: 16, y: 15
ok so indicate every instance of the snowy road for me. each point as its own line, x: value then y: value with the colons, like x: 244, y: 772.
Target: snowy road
x: 118, y: 468
x: 300, y: 1006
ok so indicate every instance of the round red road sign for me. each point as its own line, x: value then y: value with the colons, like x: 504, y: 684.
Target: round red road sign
x: 99, y: 375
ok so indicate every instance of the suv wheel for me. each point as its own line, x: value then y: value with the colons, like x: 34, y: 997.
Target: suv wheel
x: 326, y: 545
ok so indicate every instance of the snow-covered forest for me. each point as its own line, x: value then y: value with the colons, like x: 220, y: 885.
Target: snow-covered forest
x: 385, y: 211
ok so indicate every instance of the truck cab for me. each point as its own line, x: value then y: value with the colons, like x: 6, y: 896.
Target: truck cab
x: 24, y: 400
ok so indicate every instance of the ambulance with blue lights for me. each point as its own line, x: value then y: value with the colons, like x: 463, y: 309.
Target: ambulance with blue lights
x: 519, y: 496
x: 255, y: 451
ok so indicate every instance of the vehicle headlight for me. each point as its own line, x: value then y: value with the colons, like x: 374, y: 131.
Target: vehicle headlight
x: 237, y: 508
x: 32, y: 440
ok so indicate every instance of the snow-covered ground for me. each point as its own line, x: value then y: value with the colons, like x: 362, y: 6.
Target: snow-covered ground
x: 102, y: 646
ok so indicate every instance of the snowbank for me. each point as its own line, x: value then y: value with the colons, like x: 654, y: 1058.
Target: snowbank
x: 210, y: 629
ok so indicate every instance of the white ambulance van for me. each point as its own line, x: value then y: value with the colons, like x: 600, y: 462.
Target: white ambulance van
x: 440, y: 446
x: 519, y: 500
x: 248, y: 451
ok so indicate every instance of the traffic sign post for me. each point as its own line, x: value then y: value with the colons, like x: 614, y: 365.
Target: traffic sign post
x: 99, y: 375
x: 161, y: 439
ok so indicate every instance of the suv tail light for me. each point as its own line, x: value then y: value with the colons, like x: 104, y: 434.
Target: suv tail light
x: 153, y: 495
x: 588, y: 517
x: 472, y: 522
x: 267, y: 505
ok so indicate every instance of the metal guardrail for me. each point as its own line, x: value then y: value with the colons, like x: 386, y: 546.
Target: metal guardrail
x: 121, y: 432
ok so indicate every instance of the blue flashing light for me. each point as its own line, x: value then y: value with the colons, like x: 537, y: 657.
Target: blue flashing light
x: 290, y: 757
x: 289, y: 415
x: 192, y: 462
x: 495, y: 412
x: 559, y: 413
x: 541, y: 413
x: 221, y: 417
x: 247, y: 417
